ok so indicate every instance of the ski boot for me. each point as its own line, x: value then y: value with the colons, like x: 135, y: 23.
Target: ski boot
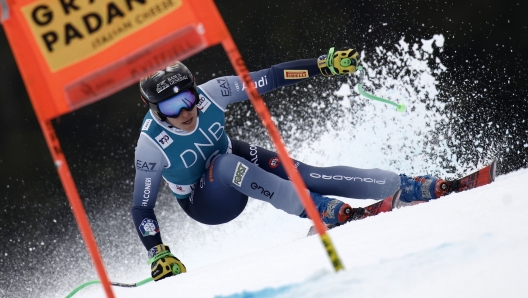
x: 334, y: 212
x: 423, y: 188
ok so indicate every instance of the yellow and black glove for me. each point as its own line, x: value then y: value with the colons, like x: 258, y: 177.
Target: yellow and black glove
x: 338, y: 62
x: 164, y: 263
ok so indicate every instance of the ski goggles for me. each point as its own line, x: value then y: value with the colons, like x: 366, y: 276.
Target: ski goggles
x: 173, y: 106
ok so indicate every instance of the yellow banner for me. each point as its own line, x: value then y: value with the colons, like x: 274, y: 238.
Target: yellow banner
x: 70, y: 30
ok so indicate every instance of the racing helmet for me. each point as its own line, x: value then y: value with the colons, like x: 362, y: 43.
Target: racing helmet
x: 169, y: 90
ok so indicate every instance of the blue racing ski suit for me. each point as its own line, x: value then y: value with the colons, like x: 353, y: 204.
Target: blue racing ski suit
x: 212, y: 175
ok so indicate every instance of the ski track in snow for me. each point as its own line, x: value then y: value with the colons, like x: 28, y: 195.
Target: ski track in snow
x: 464, y: 245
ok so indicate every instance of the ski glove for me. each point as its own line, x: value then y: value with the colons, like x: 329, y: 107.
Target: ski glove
x: 164, y: 263
x: 340, y: 62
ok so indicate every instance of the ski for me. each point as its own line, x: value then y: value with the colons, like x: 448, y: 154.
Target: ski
x: 479, y: 178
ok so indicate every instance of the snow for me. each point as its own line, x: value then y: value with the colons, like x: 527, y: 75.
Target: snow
x: 470, y: 244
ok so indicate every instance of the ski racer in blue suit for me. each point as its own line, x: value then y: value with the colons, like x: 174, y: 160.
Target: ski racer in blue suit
x: 183, y: 142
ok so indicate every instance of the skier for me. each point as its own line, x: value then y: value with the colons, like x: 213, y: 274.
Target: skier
x: 183, y: 141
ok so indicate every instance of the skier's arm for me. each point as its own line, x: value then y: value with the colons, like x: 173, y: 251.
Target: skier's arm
x: 230, y: 89
x: 149, y: 162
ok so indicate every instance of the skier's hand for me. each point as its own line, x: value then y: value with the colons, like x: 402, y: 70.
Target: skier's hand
x: 164, y: 263
x: 338, y: 62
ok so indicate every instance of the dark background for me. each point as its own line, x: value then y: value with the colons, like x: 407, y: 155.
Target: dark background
x: 485, y: 51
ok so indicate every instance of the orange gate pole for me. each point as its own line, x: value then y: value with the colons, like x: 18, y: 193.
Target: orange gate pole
x: 258, y: 103
x: 75, y: 202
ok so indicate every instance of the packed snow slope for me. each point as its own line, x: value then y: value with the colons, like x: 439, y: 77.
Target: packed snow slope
x: 469, y: 244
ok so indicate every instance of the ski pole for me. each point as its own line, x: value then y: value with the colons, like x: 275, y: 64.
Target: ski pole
x: 400, y: 107
x: 116, y: 284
